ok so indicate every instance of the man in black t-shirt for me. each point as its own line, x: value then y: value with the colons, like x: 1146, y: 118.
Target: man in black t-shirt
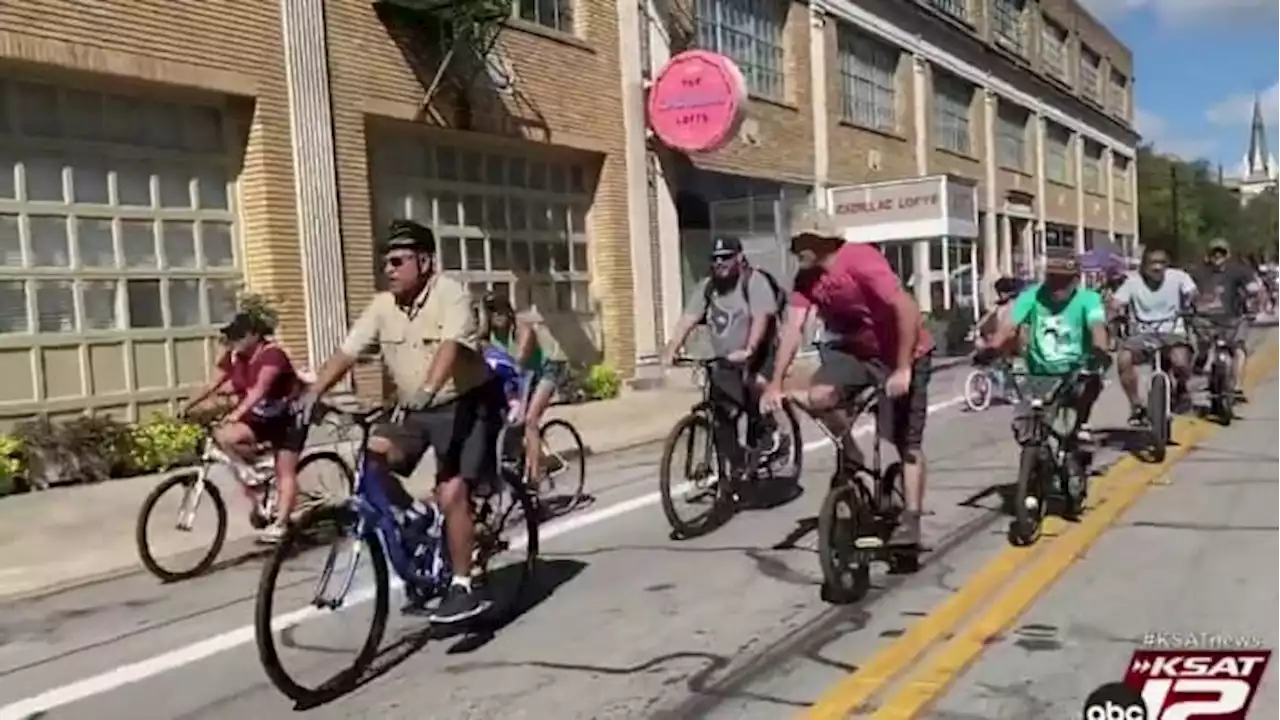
x: 1224, y: 288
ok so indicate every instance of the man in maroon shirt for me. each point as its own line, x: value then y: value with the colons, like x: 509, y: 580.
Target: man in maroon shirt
x: 264, y: 383
x: 877, y: 333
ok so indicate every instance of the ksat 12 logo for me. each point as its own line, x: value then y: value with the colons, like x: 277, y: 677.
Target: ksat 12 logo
x: 1182, y: 685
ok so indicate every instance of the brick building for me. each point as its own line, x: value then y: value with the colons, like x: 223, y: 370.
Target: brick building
x: 156, y: 157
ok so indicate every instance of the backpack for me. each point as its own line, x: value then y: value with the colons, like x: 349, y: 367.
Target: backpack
x: 779, y: 295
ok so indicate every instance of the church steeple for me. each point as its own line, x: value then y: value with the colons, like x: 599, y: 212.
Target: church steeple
x: 1258, y: 161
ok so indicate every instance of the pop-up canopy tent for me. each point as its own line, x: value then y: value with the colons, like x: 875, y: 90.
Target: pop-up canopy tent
x: 1103, y: 258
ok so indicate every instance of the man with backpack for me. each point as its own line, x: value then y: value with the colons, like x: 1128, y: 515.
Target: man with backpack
x: 740, y: 306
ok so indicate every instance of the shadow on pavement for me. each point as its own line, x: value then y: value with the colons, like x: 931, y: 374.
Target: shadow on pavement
x: 1002, y: 491
x: 548, y: 576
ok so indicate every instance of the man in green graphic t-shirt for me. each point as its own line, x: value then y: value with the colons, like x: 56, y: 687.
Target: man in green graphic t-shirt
x: 1061, y: 327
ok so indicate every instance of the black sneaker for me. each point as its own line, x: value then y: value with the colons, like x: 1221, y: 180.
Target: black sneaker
x: 1240, y: 397
x: 1137, y: 416
x: 459, y: 604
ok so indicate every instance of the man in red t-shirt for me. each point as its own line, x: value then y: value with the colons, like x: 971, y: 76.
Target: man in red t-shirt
x: 264, y: 383
x: 877, y: 336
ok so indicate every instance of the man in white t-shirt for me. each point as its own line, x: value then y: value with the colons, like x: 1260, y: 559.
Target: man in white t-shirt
x: 1155, y: 298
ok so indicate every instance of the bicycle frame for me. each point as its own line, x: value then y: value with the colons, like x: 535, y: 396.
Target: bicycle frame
x: 871, y: 399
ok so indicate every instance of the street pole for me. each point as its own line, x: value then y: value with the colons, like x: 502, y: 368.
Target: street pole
x: 1173, y: 185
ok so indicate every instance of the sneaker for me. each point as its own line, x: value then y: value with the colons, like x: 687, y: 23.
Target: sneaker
x: 1084, y: 434
x: 907, y: 532
x: 271, y: 534
x: 460, y: 603
x: 1240, y: 397
x: 1137, y: 416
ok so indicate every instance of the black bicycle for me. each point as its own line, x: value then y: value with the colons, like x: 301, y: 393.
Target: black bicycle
x: 559, y: 489
x: 861, y: 510
x: 707, y: 476
x: 1053, y: 464
x: 1220, y: 342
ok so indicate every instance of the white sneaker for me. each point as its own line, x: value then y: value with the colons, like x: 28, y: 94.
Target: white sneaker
x: 271, y: 534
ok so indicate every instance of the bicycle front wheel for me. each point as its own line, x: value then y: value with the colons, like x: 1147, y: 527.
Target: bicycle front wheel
x: 506, y: 551
x: 1158, y: 410
x: 977, y: 390
x: 701, y: 481
x: 301, y: 602
x: 191, y: 554
x: 564, y: 466
x: 846, y: 569
x: 1030, y: 496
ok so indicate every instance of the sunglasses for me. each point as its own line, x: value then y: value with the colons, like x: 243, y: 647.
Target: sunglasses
x: 723, y: 259
x: 395, y: 261
x: 1217, y: 252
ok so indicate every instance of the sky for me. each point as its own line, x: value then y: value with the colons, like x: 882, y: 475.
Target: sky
x: 1198, y: 66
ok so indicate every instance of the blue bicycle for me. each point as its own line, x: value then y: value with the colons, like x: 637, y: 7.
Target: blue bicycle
x: 414, y: 544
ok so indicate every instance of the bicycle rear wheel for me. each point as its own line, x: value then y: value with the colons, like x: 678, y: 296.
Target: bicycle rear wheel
x: 702, y: 479
x: 564, y: 466
x: 506, y: 532
x: 977, y: 390
x: 199, y: 556
x: 1222, y: 389
x: 845, y: 516
x: 1158, y: 411
x: 328, y: 589
x: 1030, y: 496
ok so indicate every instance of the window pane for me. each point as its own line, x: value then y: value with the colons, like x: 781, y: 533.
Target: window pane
x: 447, y: 163
x: 559, y: 179
x: 447, y: 207
x: 164, y: 123
x: 560, y: 255
x: 13, y: 307
x: 175, y: 187
x: 475, y: 254
x: 541, y: 257
x: 494, y: 166
x: 520, y: 256
x: 133, y: 184
x: 37, y: 109
x: 221, y: 295
x: 516, y: 172
x: 203, y: 130
x: 144, y: 304
x: 179, y: 244
x: 582, y: 297
x: 10, y: 242
x: 472, y: 212
x: 94, y: 238
x: 450, y: 253
x: 580, y: 257
x: 499, y: 258
x: 472, y: 167
x: 517, y: 215
x: 495, y: 214
x: 212, y: 188
x: 138, y: 243
x: 8, y: 173
x: 564, y: 297
x: 215, y: 237
x: 184, y: 303
x: 44, y: 179
x: 55, y: 306
x: 49, y: 246
x: 98, y: 298
x: 89, y: 181
x: 501, y: 290
x: 538, y: 176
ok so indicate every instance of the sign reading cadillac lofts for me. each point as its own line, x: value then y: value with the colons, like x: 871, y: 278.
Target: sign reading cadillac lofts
x: 697, y: 102
x: 914, y: 209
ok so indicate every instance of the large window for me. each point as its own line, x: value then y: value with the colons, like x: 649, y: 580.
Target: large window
x: 952, y: 102
x: 955, y: 8
x: 1120, y: 176
x: 1091, y: 74
x: 1011, y: 136
x: 555, y: 14
x: 868, y: 87
x: 1058, y: 164
x: 1053, y: 49
x: 512, y: 224
x: 750, y: 32
x: 1119, y: 91
x: 116, y: 223
x: 1092, y: 177
x: 1008, y: 25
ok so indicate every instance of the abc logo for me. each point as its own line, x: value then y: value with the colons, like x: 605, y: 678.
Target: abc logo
x: 1115, y: 701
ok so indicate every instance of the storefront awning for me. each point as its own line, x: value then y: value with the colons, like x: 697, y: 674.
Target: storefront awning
x: 916, y: 209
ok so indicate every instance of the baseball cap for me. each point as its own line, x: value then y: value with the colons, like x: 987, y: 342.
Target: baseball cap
x: 1061, y: 261
x: 241, y: 325
x: 726, y: 247
x: 1219, y: 244
x: 815, y: 221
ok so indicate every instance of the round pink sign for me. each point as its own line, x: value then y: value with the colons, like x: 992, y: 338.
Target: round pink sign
x: 697, y: 101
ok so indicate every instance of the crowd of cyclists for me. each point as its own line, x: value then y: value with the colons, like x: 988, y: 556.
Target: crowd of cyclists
x: 460, y: 371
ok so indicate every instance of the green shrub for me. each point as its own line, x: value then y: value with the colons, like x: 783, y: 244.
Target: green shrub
x: 12, y: 465
x: 602, y: 382
x: 162, y: 443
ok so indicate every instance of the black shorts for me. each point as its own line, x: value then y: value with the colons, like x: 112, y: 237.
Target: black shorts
x: 851, y: 376
x: 463, y: 432
x: 281, y: 432
x: 738, y: 388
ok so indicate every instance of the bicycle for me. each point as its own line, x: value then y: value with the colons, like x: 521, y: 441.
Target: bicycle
x: 257, y: 477
x: 1160, y: 386
x: 413, y: 545
x: 711, y: 477
x: 555, y: 462
x: 986, y: 382
x: 861, y: 509
x: 1220, y: 343
x: 1052, y: 463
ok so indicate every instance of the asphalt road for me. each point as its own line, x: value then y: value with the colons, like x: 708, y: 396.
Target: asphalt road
x: 635, y: 625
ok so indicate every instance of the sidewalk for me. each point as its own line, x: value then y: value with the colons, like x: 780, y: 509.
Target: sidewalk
x: 73, y: 535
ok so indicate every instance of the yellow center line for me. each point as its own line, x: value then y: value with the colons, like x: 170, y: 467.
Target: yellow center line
x: 1118, y: 489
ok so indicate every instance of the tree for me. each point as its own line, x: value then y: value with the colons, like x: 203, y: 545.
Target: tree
x: 1260, y: 225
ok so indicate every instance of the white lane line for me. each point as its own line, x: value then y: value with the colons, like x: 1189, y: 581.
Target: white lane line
x: 112, y: 680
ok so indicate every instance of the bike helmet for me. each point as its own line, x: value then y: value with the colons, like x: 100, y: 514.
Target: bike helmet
x: 409, y: 235
x: 1007, y: 286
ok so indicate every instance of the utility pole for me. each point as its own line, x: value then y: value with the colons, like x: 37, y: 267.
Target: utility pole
x: 1173, y: 186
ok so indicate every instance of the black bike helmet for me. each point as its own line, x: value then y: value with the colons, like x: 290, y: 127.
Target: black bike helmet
x: 409, y: 235
x: 1006, y: 286
x: 497, y: 304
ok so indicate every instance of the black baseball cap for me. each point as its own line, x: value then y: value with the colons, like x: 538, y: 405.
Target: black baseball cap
x: 409, y: 235
x: 726, y: 247
x: 240, y: 326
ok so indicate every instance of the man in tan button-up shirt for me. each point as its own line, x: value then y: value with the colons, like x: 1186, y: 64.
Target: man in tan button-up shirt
x: 427, y: 335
